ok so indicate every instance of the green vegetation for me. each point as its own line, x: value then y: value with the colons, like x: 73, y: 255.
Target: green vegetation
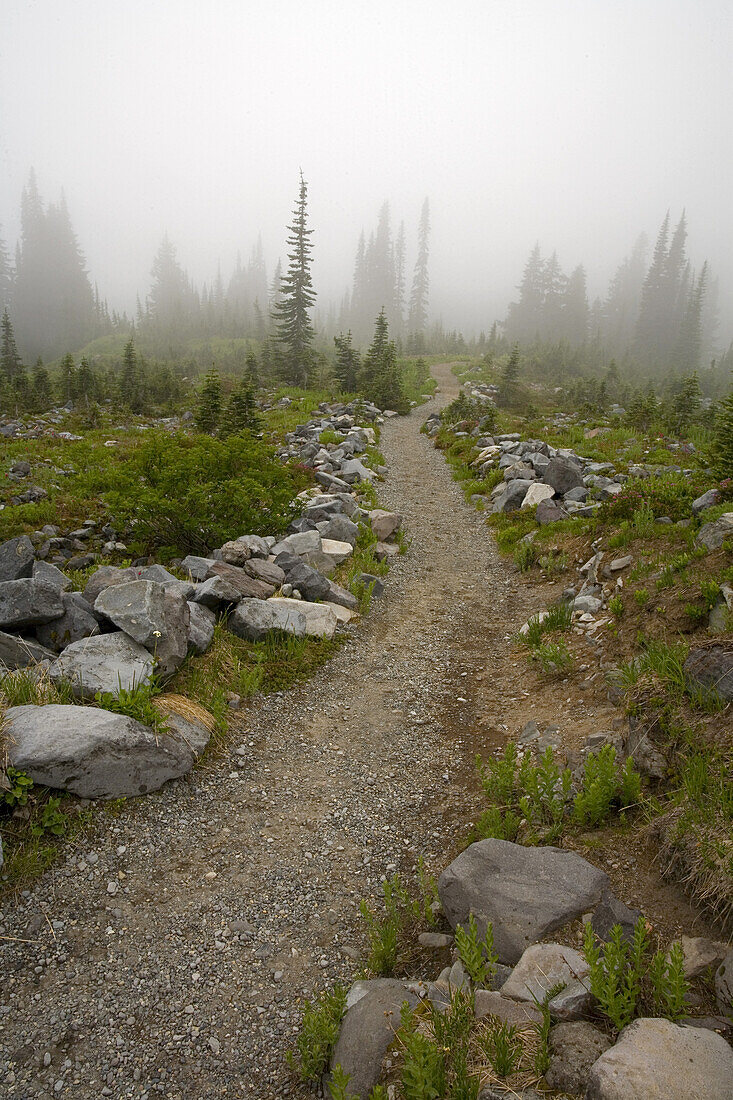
x: 318, y: 1034
x: 402, y: 913
x: 478, y: 956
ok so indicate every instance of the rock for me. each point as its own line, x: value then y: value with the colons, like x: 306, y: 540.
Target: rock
x: 253, y: 619
x: 342, y: 614
x: 368, y: 1030
x: 707, y: 500
x: 544, y: 965
x: 197, y: 568
x: 720, y: 613
x: 526, y: 893
x: 256, y: 545
x: 490, y: 1093
x: 374, y: 584
x: 49, y: 574
x: 701, y: 954
x: 549, y: 511
x: 29, y: 602
x: 711, y: 667
x: 298, y: 544
x: 435, y: 940
x: 536, y: 493
x: 16, y: 559
x: 620, y: 563
x: 353, y: 470
x: 92, y: 752
x: 609, y: 912
x: 659, y: 1060
x: 201, y: 623
x: 152, y: 616
x: 384, y: 524
x: 215, y: 593
x: 713, y: 535
x: 337, y: 551
x: 589, y: 604
x: 337, y: 594
x: 649, y: 760
x: 265, y: 571
x: 511, y: 495
x: 246, y: 584
x: 236, y: 552
x: 574, y: 1047
x: 320, y: 619
x: 105, y: 663
x: 157, y: 573
x: 724, y: 985
x: 383, y: 551
x: 339, y: 528
x: 77, y: 622
x: 309, y: 582
x: 105, y: 577
x: 186, y: 721
x: 563, y: 474
x: 20, y: 652
x: 493, y: 1003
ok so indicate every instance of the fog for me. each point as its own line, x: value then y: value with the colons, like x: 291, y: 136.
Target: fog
x: 575, y: 124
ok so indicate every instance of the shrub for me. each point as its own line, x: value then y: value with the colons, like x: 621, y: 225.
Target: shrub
x: 478, y: 956
x: 669, y: 495
x: 318, y: 1034
x: 605, y: 788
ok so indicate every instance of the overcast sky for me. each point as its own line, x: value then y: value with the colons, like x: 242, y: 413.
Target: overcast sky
x: 573, y: 122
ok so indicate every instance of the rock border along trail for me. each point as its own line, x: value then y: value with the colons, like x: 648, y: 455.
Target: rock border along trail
x: 170, y: 955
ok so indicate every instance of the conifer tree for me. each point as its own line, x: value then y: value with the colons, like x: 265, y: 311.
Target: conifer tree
x: 723, y: 441
x: 294, y: 328
x: 509, y: 378
x: 524, y: 318
x: 131, y: 389
x: 347, y: 362
x: 6, y: 276
x: 67, y: 379
x: 418, y: 315
x: 240, y: 412
x: 379, y: 378
x: 208, y: 409
x: 251, y: 371
x: 11, y: 364
x: 40, y: 386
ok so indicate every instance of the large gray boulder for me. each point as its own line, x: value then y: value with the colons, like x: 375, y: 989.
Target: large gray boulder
x: 724, y: 985
x: 659, y: 1060
x: 265, y: 571
x: 50, y: 574
x: 563, y: 474
x: 712, y: 535
x: 215, y: 593
x: 711, y: 667
x: 574, y: 1047
x: 105, y: 663
x: 152, y: 616
x: 544, y: 965
x: 161, y: 575
x: 242, y: 580
x: 104, y: 577
x: 201, y: 624
x: 525, y: 893
x: 310, y: 583
x: 384, y: 524
x: 298, y: 544
x: 29, y: 602
x: 16, y: 559
x: 186, y: 721
x: 254, y: 619
x: 339, y: 528
x: 368, y: 1030
x: 20, y: 652
x: 197, y: 568
x: 92, y: 752
x: 337, y: 594
x: 77, y: 622
x: 321, y: 620
x: 512, y: 494
x: 241, y: 549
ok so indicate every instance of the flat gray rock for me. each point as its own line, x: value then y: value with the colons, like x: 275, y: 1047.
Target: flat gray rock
x: 50, y: 574
x: 367, y: 1031
x: 29, y: 602
x: 574, y: 1047
x: 201, y: 625
x: 16, y: 559
x: 105, y: 663
x: 254, y: 619
x: 152, y: 616
x: 711, y: 667
x: 659, y: 1060
x: 712, y: 535
x: 92, y: 752
x: 105, y: 576
x: 241, y: 579
x: 20, y: 653
x: 544, y: 965
x: 526, y: 893
x: 77, y: 621
x: 724, y: 985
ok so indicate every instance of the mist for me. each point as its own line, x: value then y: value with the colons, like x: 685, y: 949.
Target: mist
x: 574, y: 125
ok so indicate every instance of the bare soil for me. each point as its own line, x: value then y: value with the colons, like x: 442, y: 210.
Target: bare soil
x: 171, y: 956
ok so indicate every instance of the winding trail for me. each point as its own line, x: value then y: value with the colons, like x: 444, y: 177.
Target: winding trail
x: 172, y: 959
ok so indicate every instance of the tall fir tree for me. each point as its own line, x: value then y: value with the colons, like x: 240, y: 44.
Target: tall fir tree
x: 524, y: 318
x: 209, y: 406
x: 418, y: 314
x: 240, y: 413
x: 6, y: 277
x: 11, y: 364
x: 379, y: 377
x: 347, y: 362
x: 292, y: 315
x: 131, y: 388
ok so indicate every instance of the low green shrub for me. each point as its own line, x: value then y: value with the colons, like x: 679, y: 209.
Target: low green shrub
x: 478, y: 956
x: 318, y: 1034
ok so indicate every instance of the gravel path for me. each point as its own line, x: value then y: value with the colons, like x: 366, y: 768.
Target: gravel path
x: 173, y: 958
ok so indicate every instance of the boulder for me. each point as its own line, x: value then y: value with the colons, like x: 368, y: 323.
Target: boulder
x: 339, y: 528
x: 77, y: 621
x: 92, y: 752
x: 608, y: 913
x: 337, y: 594
x: 549, y: 511
x: 310, y: 583
x: 16, y: 559
x: 342, y: 614
x: 29, y: 602
x: 197, y: 568
x: 368, y: 1030
x: 526, y: 893
x: 105, y: 577
x: 297, y: 544
x: 724, y: 985
x: 242, y: 580
x: 707, y: 500
x: 511, y: 495
x: 492, y: 1003
x: 659, y: 1060
x: 536, y: 493
x: 701, y: 954
x: 320, y: 619
x: 104, y: 663
x: 712, y: 535
x: 160, y: 575
x: 544, y: 965
x: 353, y: 470
x: 20, y: 652
x: 253, y: 546
x: 201, y: 623
x: 254, y: 619
x: 49, y: 574
x: 152, y: 616
x: 186, y: 720
x: 563, y: 474
x: 574, y: 1047
x: 337, y: 551
x: 384, y: 524
x: 648, y: 759
x: 216, y: 592
x: 711, y: 667
x: 266, y: 571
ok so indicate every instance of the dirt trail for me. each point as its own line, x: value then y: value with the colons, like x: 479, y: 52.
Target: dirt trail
x: 172, y: 958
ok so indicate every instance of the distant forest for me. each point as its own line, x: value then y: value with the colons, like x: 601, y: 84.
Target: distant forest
x: 658, y: 320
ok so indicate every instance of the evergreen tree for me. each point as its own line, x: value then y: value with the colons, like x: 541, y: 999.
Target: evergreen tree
x: 622, y: 305
x: 251, y: 371
x: 208, y: 409
x: 510, y: 378
x: 40, y: 386
x: 11, y: 365
x: 554, y: 290
x: 131, y: 387
x: 684, y: 405
x: 240, y: 412
x: 67, y: 380
x: 418, y: 314
x: 689, y: 343
x: 524, y: 318
x: 85, y: 383
x: 574, y: 313
x: 347, y: 362
x: 6, y: 276
x: 171, y: 303
x: 294, y: 328
x: 379, y: 378
x: 723, y: 441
